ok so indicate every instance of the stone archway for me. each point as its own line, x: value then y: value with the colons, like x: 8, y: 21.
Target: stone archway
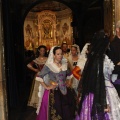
x: 59, y: 17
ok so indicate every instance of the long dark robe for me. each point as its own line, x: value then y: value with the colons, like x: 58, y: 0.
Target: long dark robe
x: 114, y: 55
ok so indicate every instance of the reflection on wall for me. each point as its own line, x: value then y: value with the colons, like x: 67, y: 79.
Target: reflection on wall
x: 108, y: 13
x: 117, y: 10
x: 47, y: 28
x: 31, y: 34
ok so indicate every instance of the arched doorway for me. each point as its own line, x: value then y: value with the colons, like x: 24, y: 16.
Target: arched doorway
x: 15, y: 43
x: 49, y: 24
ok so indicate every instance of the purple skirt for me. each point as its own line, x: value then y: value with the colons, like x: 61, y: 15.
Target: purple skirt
x: 43, y: 113
x: 55, y: 105
x: 85, y: 113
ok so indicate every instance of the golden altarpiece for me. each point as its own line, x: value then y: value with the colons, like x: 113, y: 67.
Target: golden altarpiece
x: 48, y: 28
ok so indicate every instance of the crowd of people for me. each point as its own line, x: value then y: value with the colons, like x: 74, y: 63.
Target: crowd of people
x: 78, y: 85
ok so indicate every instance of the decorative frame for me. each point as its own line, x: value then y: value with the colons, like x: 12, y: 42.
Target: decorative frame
x: 47, y: 28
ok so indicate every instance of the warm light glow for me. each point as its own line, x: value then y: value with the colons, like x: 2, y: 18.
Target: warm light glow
x: 116, y: 8
x: 113, y: 23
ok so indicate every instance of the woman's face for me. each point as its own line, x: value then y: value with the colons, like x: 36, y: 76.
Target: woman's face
x: 42, y: 51
x: 58, y: 55
x: 73, y: 51
x: 64, y: 47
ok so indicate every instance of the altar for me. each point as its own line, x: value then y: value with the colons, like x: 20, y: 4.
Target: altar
x: 48, y: 28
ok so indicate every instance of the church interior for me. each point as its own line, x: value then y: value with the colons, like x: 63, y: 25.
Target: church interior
x: 27, y: 24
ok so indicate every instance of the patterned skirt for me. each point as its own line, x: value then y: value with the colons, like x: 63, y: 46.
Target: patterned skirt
x: 33, y: 98
x: 113, y: 101
x: 56, y: 106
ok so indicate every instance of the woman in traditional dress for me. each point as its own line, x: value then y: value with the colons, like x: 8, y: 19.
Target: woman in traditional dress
x: 77, y: 71
x: 99, y: 100
x: 81, y: 61
x: 36, y: 65
x: 73, y: 58
x: 57, y: 103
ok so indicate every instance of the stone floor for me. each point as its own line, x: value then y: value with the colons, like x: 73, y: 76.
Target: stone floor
x: 28, y: 113
x: 22, y: 111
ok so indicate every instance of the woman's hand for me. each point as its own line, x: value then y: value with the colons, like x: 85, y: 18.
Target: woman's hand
x: 51, y: 87
x: 68, y: 83
x: 107, y: 109
x: 36, y: 70
x: 118, y: 63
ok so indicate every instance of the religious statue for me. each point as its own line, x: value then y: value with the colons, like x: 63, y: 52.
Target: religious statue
x: 47, y: 30
x: 28, y: 30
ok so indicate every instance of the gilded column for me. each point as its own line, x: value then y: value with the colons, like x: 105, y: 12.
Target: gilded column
x: 109, y: 23
x: 117, y: 10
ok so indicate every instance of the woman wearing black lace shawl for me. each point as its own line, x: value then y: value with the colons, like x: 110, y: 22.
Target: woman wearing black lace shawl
x: 96, y: 86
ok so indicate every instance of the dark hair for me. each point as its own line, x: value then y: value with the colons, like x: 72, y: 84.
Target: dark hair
x: 93, y: 80
x: 99, y: 43
x: 74, y: 47
x: 29, y: 53
x: 88, y: 50
x: 56, y: 48
x: 63, y: 44
x: 38, y: 50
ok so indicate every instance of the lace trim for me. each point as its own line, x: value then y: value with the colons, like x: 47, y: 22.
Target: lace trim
x: 39, y: 62
x: 55, y: 68
x: 39, y: 79
x: 108, y: 63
